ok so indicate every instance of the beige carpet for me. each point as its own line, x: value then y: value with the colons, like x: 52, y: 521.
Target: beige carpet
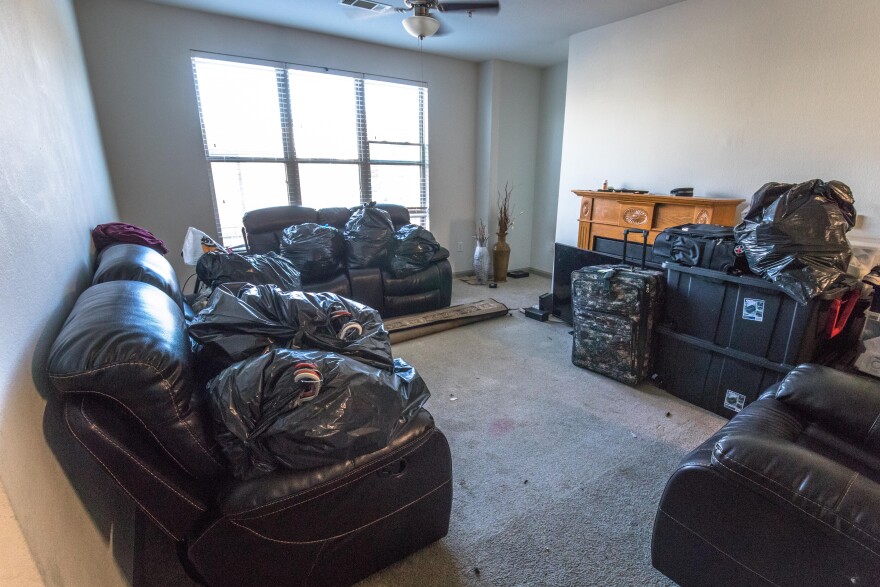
x: 557, y: 470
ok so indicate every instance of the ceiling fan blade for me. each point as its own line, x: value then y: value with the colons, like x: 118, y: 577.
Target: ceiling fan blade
x: 468, y: 6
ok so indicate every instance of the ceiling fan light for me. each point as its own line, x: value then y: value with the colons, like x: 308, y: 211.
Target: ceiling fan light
x: 421, y: 26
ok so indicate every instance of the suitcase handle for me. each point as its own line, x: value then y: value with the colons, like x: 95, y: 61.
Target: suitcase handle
x: 644, y: 234
x: 839, y: 312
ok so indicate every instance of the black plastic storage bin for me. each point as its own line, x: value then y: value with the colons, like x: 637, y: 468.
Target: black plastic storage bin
x: 752, y: 315
x: 725, y: 338
x: 720, y: 380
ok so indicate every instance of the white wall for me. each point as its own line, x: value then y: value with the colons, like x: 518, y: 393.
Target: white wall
x: 138, y: 57
x: 725, y: 96
x: 509, y: 99
x: 549, y: 159
x: 54, y: 188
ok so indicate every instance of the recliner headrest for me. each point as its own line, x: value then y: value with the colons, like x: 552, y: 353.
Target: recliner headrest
x: 131, y: 262
x: 127, y: 341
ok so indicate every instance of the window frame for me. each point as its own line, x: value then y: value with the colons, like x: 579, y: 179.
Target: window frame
x: 419, y: 214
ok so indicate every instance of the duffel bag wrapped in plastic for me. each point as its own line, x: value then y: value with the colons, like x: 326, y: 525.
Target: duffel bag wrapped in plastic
x: 414, y: 249
x: 304, y: 409
x: 317, y: 250
x: 369, y: 235
x: 218, y: 267
x: 795, y: 235
x: 243, y: 320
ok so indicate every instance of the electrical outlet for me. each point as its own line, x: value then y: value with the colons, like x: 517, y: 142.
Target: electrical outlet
x: 460, y: 246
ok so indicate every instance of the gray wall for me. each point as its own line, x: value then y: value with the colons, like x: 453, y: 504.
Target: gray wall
x: 54, y: 187
x: 138, y: 57
x: 509, y: 119
x: 725, y: 96
x: 549, y: 158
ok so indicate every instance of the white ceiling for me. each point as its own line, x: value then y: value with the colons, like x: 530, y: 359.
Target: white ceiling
x: 524, y: 31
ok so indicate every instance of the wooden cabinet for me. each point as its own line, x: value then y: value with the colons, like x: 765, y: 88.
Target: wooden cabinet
x: 608, y: 214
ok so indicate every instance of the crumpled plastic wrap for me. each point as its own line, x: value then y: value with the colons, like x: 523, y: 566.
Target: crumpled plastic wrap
x: 414, y: 248
x: 369, y: 235
x: 242, y: 320
x: 219, y: 267
x: 317, y: 250
x: 795, y: 235
x: 262, y: 422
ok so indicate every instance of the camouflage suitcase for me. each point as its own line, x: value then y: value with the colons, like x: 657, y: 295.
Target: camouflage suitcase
x: 614, y: 307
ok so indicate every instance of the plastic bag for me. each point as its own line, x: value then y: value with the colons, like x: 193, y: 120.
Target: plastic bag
x: 795, y: 235
x: 219, y: 267
x: 195, y: 244
x: 242, y: 320
x: 369, y: 234
x: 304, y: 409
x: 317, y: 250
x: 414, y: 249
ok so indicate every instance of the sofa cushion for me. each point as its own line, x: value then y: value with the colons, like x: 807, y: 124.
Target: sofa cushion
x: 265, y: 226
x: 335, y: 217
x: 131, y: 262
x: 127, y: 341
x: 422, y: 281
x: 337, y: 284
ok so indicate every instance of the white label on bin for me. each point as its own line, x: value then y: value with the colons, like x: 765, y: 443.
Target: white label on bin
x: 734, y: 401
x: 753, y: 309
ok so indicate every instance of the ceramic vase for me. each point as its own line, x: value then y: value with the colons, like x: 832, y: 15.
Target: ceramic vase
x: 501, y: 257
x: 481, y: 264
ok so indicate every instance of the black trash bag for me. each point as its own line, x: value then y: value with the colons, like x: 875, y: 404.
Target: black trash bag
x: 219, y: 267
x: 317, y: 250
x: 289, y: 409
x: 369, y: 235
x: 242, y: 320
x: 414, y: 249
x: 795, y: 235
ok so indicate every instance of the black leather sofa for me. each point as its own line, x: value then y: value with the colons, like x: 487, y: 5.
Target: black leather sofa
x: 786, y: 494
x: 130, y: 395
x: 426, y: 290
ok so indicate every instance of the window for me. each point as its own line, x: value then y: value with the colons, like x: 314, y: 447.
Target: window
x: 278, y: 134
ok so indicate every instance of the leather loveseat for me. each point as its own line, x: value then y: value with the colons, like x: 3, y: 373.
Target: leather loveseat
x: 426, y: 290
x: 131, y: 396
x: 786, y: 494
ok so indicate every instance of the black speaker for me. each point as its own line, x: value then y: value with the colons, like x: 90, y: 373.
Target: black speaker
x: 545, y: 302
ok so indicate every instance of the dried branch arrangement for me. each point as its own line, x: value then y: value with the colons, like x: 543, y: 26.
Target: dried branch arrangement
x: 505, y: 211
x: 481, y: 233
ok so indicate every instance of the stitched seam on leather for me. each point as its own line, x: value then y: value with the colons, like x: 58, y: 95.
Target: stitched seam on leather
x: 377, y: 520
x: 409, y: 448
x: 314, y: 563
x: 109, y: 472
x: 192, y: 546
x: 731, y: 557
x: 165, y: 384
x: 845, y: 491
x: 136, y: 417
x: 137, y: 461
x: 873, y: 426
x: 841, y: 518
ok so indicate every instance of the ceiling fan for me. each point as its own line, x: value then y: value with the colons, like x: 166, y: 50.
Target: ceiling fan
x: 422, y: 23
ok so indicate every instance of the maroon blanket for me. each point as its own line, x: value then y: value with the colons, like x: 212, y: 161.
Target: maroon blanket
x: 105, y: 235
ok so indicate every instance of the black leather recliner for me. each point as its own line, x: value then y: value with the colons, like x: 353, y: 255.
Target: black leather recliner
x: 426, y: 290
x: 132, y: 397
x: 786, y: 494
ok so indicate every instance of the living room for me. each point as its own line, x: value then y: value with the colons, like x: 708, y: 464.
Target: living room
x: 101, y: 124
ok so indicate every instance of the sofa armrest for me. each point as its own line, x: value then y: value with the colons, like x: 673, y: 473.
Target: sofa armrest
x: 844, y: 403
x: 794, y: 476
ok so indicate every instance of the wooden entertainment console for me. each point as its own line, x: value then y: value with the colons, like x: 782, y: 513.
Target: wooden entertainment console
x: 607, y: 214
